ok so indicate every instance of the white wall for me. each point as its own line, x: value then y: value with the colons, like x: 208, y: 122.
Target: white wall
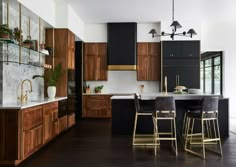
x: 144, y: 28
x: 46, y: 9
x: 220, y: 35
x: 124, y: 82
x: 75, y: 24
x: 95, y: 33
x: 61, y: 14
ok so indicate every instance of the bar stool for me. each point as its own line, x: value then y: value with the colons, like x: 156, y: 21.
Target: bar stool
x: 165, y: 110
x: 210, y: 134
x: 192, y: 109
x: 141, y: 139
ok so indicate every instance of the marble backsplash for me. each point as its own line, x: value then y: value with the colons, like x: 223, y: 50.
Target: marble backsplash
x: 13, y: 73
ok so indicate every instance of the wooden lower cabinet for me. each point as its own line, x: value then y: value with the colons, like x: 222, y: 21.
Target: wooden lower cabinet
x: 50, y: 121
x: 24, y: 131
x: 62, y: 124
x: 71, y: 120
x: 32, y: 140
x: 96, y: 106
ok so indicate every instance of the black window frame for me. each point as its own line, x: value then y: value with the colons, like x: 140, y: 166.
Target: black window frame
x: 212, y: 55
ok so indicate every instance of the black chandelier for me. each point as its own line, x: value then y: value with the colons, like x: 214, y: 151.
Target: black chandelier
x: 175, y: 25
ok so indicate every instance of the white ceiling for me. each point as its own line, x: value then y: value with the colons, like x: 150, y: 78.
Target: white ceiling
x: 103, y: 11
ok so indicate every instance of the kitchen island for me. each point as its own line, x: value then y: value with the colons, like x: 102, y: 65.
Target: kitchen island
x: 123, y: 113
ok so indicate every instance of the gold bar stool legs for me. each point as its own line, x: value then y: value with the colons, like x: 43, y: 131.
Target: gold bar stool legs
x: 140, y: 139
x: 165, y: 110
x: 210, y: 134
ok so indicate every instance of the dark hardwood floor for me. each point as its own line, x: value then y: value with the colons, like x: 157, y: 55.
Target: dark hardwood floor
x: 90, y: 144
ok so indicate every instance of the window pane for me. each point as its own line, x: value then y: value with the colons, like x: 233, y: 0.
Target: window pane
x: 217, y: 60
x: 201, y: 65
x: 202, y: 78
x: 208, y: 63
x: 217, y: 79
x: 208, y: 80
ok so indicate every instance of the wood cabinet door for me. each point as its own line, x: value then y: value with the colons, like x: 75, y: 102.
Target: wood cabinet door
x: 154, y: 54
x: 90, y: 50
x: 95, y: 61
x: 143, y: 62
x: 101, y: 60
x: 32, y: 117
x: 148, y: 61
x: 50, y: 121
x: 32, y: 140
x: 71, y: 50
x: 96, y: 106
x: 62, y: 124
x: 47, y: 121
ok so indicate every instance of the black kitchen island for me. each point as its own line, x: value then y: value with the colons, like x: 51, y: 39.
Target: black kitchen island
x: 123, y: 113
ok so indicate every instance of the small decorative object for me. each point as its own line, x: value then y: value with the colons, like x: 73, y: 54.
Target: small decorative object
x: 141, y: 88
x: 179, y: 89
x: 52, y: 79
x: 98, y: 89
x: 17, y: 35
x: 28, y: 43
x: 42, y: 46
x: 87, y: 89
x: 5, y: 32
x: 50, y: 50
x: 165, y: 85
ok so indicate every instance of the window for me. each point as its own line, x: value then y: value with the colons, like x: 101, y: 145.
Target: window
x: 211, y: 72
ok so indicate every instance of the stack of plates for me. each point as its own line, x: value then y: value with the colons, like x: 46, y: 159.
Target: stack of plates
x: 194, y: 91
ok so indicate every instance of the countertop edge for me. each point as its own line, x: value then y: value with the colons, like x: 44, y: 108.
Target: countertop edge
x: 31, y: 103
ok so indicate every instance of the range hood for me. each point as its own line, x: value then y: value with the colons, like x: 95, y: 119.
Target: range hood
x: 122, y: 38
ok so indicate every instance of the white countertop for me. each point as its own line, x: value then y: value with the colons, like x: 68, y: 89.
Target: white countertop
x: 152, y: 96
x: 118, y: 94
x: 31, y: 103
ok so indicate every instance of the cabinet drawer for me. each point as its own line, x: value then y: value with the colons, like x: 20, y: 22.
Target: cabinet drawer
x: 97, y: 103
x: 32, y: 140
x: 62, y: 124
x: 71, y: 120
x: 32, y: 117
x: 97, y: 97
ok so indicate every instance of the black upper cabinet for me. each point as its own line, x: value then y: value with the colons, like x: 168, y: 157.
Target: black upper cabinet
x: 181, y: 49
x: 181, y: 64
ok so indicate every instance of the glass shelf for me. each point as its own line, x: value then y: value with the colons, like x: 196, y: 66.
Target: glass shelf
x: 11, y: 42
x: 45, y: 66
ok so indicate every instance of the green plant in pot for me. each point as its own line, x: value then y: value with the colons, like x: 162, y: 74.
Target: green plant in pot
x: 52, y: 78
x: 5, y: 32
x: 28, y: 42
x: 98, y: 89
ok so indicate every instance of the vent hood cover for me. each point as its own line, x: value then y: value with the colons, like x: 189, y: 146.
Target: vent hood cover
x: 122, y: 38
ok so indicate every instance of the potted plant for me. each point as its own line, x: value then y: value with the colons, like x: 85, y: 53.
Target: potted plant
x: 98, y: 89
x: 5, y: 32
x: 28, y: 43
x: 52, y: 78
